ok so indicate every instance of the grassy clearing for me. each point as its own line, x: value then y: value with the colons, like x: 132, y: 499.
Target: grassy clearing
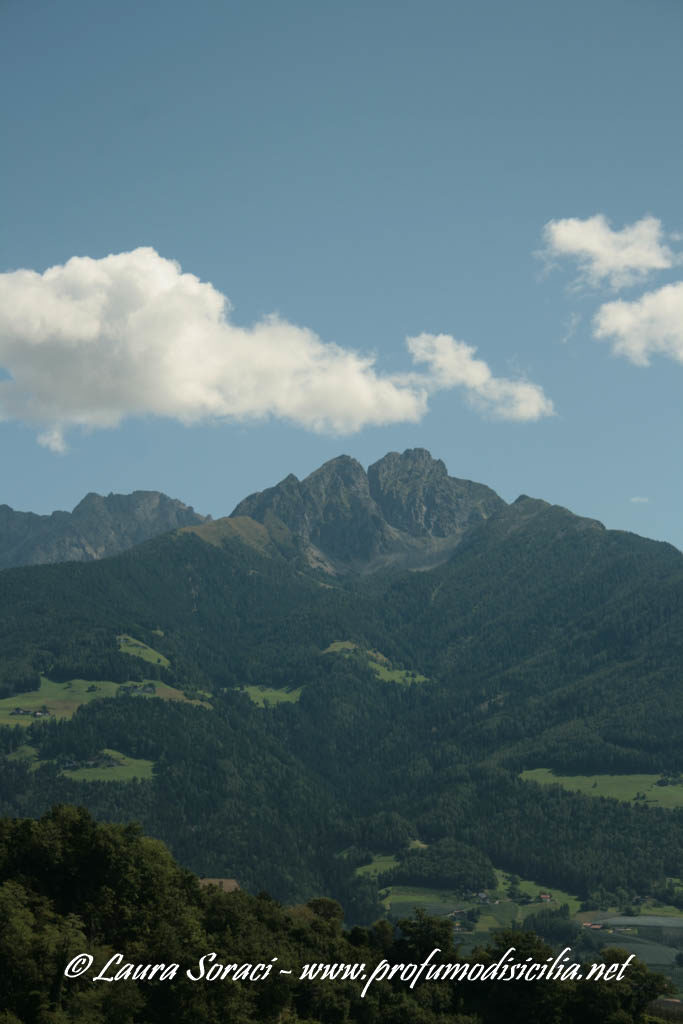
x: 125, y: 769
x: 62, y: 699
x: 386, y: 861
x: 499, y: 912
x: 533, y: 889
x: 166, y: 692
x: 502, y: 915
x: 114, y: 766
x: 378, y: 662
x: 265, y: 695
x: 380, y: 862
x: 620, y: 787
x: 395, y: 675
x: 129, y: 645
x: 401, y: 900
x: 664, y: 910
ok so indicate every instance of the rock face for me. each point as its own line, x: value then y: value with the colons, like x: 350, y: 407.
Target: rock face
x: 406, y: 511
x: 416, y: 494
x: 96, y: 528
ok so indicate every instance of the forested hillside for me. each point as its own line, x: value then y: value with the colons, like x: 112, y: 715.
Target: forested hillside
x: 255, y: 693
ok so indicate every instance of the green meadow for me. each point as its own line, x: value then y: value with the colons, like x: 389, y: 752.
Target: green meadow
x: 377, y: 661
x: 60, y: 700
x: 123, y: 769
x: 265, y: 695
x: 533, y: 890
x: 499, y: 912
x: 380, y: 862
x: 620, y: 787
x: 113, y: 766
x: 402, y: 900
x: 129, y: 645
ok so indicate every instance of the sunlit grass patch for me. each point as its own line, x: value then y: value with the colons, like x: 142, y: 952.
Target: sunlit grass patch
x: 620, y: 787
x: 378, y: 662
x: 380, y: 862
x: 264, y: 695
x: 112, y: 766
x: 59, y: 700
x: 138, y: 649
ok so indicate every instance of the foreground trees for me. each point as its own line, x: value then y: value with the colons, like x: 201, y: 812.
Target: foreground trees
x: 71, y: 887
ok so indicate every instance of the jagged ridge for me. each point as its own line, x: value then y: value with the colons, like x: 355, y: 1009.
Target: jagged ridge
x: 98, y: 527
x: 405, y: 512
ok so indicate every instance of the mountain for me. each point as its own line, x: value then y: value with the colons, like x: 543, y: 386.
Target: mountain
x: 380, y: 708
x: 97, y: 527
x: 405, y: 512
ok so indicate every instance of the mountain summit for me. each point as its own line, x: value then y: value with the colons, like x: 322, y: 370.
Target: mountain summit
x: 405, y: 512
x: 97, y: 527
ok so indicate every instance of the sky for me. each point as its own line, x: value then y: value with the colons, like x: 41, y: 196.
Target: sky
x: 238, y: 239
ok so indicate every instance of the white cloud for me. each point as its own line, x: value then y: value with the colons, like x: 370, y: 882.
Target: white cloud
x: 639, y: 501
x: 571, y: 327
x: 453, y: 365
x: 620, y: 258
x: 94, y: 341
x: 652, y: 324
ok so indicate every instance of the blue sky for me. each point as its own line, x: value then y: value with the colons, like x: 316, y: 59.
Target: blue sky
x: 347, y: 176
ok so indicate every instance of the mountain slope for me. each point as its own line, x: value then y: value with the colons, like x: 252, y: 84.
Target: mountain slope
x: 97, y: 527
x: 543, y: 640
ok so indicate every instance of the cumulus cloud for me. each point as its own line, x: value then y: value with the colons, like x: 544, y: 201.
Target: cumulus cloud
x: 452, y: 364
x: 652, y: 324
x: 618, y: 258
x: 94, y: 341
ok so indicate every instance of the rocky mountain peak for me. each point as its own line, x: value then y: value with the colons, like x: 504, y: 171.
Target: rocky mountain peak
x: 331, y: 512
x: 98, y: 527
x: 416, y: 494
x: 341, y: 476
x: 405, y: 511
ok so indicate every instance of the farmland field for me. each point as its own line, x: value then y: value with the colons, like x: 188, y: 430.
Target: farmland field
x: 498, y: 912
x: 62, y: 699
x: 532, y: 889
